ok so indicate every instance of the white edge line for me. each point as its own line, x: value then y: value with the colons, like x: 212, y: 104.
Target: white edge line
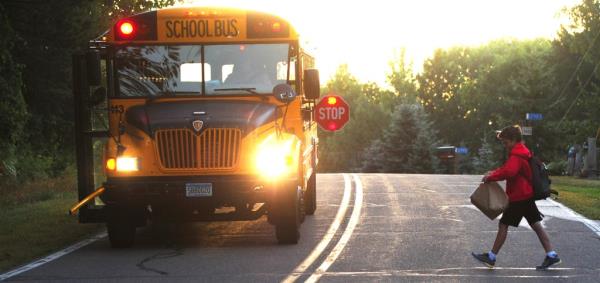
x: 51, y: 257
x: 589, y: 223
x: 410, y: 274
x: 335, y: 225
x: 339, y: 247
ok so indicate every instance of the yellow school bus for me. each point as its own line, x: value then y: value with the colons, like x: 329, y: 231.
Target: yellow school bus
x: 196, y: 114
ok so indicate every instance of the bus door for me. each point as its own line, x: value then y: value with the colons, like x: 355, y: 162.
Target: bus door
x: 91, y: 129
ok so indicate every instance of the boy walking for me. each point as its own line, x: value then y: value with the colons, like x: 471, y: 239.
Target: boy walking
x: 517, y: 173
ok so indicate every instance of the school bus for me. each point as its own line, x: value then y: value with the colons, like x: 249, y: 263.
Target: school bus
x: 196, y: 114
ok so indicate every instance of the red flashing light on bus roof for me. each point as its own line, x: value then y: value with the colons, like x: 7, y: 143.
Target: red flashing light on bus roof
x: 138, y: 27
x: 266, y: 26
x: 126, y: 28
x: 276, y: 27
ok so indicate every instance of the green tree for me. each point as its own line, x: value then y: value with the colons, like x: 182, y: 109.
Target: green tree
x: 469, y: 92
x: 13, y: 111
x: 402, y: 79
x: 371, y: 110
x: 122, y: 8
x: 444, y: 85
x: 48, y: 33
x: 582, y: 35
x: 487, y: 157
x: 407, y: 145
x: 578, y: 103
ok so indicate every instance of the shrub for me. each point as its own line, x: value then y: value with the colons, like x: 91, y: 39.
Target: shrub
x: 557, y: 168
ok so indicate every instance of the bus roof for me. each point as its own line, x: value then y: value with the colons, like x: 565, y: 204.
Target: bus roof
x: 200, y: 25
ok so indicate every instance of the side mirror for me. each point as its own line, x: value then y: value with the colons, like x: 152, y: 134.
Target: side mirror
x: 284, y: 93
x: 92, y: 61
x: 312, y: 86
x: 98, y: 97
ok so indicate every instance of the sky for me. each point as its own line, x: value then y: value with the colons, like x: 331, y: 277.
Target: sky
x: 366, y: 34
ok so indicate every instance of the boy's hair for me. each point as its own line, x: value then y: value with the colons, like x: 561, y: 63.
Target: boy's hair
x: 512, y: 133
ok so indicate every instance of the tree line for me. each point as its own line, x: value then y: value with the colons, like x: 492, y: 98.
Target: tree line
x: 37, y: 40
x: 464, y: 94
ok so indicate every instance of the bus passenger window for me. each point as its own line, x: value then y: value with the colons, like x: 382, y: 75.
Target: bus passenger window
x: 226, y: 70
x: 191, y: 76
x: 191, y: 72
x: 282, y: 70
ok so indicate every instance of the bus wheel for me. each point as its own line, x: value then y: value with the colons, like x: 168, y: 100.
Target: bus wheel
x: 287, y: 229
x: 121, y: 230
x: 310, y: 199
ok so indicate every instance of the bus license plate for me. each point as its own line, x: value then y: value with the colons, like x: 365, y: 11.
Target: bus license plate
x: 198, y: 190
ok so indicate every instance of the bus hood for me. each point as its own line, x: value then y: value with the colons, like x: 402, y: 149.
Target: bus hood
x: 244, y: 115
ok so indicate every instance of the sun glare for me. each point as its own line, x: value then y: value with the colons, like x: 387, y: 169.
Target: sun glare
x: 364, y: 34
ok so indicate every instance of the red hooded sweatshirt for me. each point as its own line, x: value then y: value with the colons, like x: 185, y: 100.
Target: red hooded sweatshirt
x: 517, y: 173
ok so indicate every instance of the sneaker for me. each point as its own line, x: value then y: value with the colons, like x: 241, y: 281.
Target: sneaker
x: 548, y: 261
x: 485, y: 259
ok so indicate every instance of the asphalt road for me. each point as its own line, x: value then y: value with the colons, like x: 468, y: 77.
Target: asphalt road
x: 368, y: 227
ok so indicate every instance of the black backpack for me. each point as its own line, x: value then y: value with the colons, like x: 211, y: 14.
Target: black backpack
x: 540, y: 180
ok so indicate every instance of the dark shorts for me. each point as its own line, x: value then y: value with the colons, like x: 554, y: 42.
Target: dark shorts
x: 515, y: 211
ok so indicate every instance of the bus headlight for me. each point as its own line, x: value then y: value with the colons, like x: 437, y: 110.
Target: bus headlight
x: 277, y: 156
x: 127, y: 164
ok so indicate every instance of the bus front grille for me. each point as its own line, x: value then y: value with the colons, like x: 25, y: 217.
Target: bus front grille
x: 212, y: 149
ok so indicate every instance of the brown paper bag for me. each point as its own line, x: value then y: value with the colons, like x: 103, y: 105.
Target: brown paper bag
x: 490, y: 198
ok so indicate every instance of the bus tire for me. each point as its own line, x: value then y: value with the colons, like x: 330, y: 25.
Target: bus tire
x: 287, y: 229
x: 121, y: 230
x: 310, y: 199
x: 287, y: 234
x: 120, y: 234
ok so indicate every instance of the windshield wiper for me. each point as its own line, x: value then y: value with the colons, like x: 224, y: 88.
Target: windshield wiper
x: 248, y: 89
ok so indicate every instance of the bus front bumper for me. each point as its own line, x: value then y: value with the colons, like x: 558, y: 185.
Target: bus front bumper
x: 225, y: 190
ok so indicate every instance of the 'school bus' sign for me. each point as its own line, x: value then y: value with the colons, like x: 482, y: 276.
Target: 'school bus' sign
x: 202, y: 28
x: 332, y: 113
x: 202, y: 25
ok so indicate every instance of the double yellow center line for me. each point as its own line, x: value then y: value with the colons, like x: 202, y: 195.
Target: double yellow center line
x: 335, y: 225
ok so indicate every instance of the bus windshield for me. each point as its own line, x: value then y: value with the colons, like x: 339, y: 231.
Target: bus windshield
x: 161, y: 70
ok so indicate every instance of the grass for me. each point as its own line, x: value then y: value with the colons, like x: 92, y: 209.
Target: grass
x: 581, y: 195
x: 14, y: 194
x: 35, y: 221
